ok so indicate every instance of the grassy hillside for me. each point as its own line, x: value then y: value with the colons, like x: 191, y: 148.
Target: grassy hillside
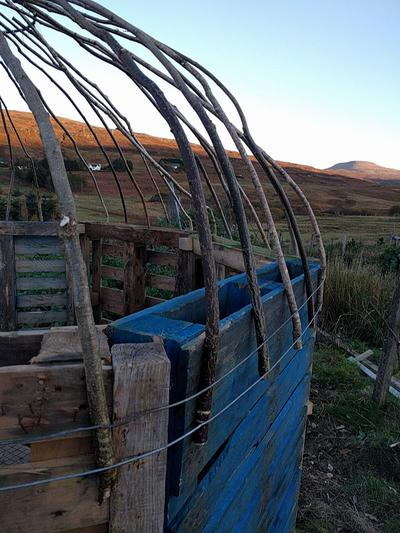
x: 328, y: 191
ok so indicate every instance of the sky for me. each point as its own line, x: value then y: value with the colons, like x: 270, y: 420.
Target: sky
x: 319, y: 81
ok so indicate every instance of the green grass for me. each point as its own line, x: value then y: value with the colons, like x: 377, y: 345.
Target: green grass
x: 357, y: 297
x: 351, y: 479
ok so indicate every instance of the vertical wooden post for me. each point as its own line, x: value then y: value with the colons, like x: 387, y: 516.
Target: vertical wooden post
x: 141, y: 383
x: 185, y: 270
x: 390, y: 349
x: 85, y: 247
x: 134, y: 277
x: 96, y: 279
x: 8, y: 292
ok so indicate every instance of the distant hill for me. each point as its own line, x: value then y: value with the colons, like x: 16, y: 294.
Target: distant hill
x: 331, y: 191
x: 366, y: 170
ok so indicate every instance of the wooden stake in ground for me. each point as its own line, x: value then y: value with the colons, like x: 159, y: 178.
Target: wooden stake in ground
x: 73, y: 254
x: 390, y: 350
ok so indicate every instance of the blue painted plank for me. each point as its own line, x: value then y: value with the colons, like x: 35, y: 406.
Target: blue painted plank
x: 250, y: 466
x: 275, y: 391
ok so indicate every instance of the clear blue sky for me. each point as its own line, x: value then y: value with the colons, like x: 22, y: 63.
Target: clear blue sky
x: 319, y: 80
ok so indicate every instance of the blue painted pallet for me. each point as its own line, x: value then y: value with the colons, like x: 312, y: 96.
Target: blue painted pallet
x: 180, y: 323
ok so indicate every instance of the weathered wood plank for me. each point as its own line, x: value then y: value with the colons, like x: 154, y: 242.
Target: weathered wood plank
x: 185, y: 272
x: 35, y: 318
x: 7, y: 284
x: 17, y: 347
x: 58, y: 506
x: 33, y: 228
x: 37, y: 265
x: 70, y: 307
x: 100, y: 528
x: 37, y: 245
x: 111, y: 272
x: 139, y: 495
x: 63, y: 344
x: 134, y: 278
x: 37, y: 300
x: 112, y: 300
x: 160, y: 282
x: 38, y: 399
x: 37, y: 283
x: 161, y: 258
x: 85, y: 247
x: 137, y: 234
x: 229, y: 257
x: 96, y: 276
x: 56, y: 449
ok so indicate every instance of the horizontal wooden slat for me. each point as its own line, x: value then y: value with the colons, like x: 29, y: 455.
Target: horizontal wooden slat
x: 33, y: 300
x: 33, y: 318
x: 33, y: 228
x: 151, y: 300
x: 26, y: 284
x: 112, y: 300
x: 111, y: 272
x: 36, y: 265
x: 139, y: 234
x: 38, y: 399
x: 160, y: 282
x: 59, y: 506
x: 37, y: 245
x: 69, y: 446
x: 230, y: 257
x: 114, y: 250
x: 161, y: 258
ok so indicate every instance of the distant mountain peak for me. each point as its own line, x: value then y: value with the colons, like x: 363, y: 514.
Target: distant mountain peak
x: 355, y: 165
x: 366, y: 170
